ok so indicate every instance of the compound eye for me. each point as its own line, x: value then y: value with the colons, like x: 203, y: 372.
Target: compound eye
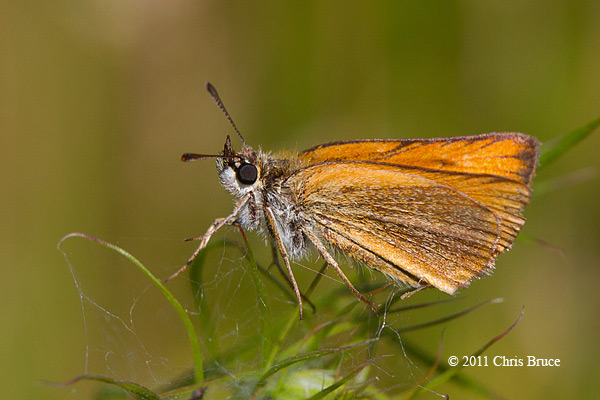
x: 247, y: 174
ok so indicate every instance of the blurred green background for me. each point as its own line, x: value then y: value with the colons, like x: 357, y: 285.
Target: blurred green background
x: 100, y: 98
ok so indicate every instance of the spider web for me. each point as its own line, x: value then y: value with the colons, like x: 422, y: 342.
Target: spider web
x: 133, y: 334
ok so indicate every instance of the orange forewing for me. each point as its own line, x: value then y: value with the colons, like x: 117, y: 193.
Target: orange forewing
x: 426, y: 211
x: 511, y: 155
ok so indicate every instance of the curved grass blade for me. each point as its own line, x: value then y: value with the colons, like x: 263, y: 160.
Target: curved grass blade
x: 422, y: 305
x: 196, y: 269
x: 296, y: 359
x: 327, y: 329
x: 566, y: 142
x: 280, y: 338
x: 139, y: 391
x: 266, y: 327
x: 189, y: 327
x: 344, y: 380
x: 285, y: 289
x: 423, y: 356
x: 561, y: 182
x: 451, y: 372
x: 449, y: 317
x: 429, y: 373
x: 459, y: 379
x: 186, y: 392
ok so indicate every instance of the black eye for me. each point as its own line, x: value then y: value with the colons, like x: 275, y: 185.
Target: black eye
x: 247, y: 174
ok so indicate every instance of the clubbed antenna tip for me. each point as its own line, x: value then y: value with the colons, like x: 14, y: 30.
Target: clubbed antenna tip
x: 215, y: 96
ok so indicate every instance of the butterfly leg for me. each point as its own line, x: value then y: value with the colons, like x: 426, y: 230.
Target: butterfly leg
x: 218, y: 224
x: 275, y: 251
x: 413, y: 291
x: 284, y: 254
x: 331, y: 261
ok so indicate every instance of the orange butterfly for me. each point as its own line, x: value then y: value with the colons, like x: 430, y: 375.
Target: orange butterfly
x: 426, y: 212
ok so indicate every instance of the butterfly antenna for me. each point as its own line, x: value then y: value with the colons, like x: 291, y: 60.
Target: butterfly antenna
x: 215, y: 96
x: 193, y: 156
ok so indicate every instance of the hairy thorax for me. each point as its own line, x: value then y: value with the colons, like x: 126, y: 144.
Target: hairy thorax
x: 272, y: 189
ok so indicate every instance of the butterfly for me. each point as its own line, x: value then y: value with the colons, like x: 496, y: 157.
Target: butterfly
x: 424, y: 212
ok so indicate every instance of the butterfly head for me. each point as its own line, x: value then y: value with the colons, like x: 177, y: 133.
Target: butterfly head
x: 239, y: 172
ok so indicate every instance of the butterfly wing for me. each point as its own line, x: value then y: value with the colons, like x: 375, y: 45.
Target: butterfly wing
x: 420, y: 225
x: 511, y: 155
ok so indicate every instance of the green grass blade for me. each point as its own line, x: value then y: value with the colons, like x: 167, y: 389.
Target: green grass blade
x: 139, y: 391
x: 267, y: 331
x: 344, y: 380
x: 296, y: 359
x: 189, y: 327
x: 460, y: 379
x: 564, y: 181
x: 196, y: 284
x: 566, y: 142
x: 196, y: 269
x: 449, y: 317
x: 280, y: 338
x: 451, y: 372
x: 421, y: 305
x: 285, y: 289
x: 434, y: 365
